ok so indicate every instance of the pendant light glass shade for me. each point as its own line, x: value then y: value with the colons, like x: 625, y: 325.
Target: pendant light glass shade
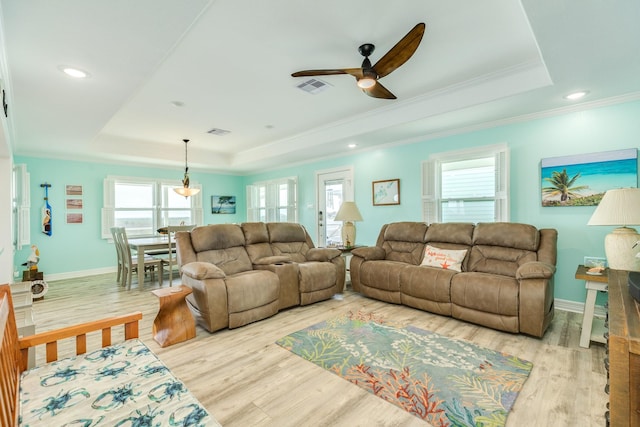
x: 185, y: 190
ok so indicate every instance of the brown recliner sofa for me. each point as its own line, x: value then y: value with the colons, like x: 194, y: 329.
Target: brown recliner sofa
x: 244, y: 273
x: 505, y: 282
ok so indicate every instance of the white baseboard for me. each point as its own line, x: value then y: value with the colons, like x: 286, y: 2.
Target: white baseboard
x: 577, y: 307
x: 78, y: 274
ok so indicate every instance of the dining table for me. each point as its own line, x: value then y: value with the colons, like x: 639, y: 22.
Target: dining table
x: 147, y: 244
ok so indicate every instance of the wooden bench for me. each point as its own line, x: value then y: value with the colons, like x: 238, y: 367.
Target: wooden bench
x: 153, y: 391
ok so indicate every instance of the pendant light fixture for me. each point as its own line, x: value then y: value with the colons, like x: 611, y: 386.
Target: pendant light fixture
x: 185, y: 190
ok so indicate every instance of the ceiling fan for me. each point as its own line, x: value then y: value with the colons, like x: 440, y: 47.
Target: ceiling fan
x: 368, y: 75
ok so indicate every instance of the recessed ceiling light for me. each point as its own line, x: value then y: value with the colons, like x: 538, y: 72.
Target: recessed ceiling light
x: 74, y: 72
x: 177, y: 103
x: 576, y: 95
x: 352, y: 145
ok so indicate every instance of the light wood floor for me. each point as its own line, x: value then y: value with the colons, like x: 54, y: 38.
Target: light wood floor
x: 244, y: 379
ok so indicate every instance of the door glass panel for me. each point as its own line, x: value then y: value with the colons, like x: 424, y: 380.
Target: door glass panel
x: 333, y: 200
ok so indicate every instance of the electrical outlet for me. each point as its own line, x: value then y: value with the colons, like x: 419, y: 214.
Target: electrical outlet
x: 16, y: 273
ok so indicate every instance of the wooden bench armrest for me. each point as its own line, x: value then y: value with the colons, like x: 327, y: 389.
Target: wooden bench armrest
x: 51, y: 338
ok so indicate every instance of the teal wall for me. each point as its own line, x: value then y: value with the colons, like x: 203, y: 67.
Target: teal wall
x: 79, y: 247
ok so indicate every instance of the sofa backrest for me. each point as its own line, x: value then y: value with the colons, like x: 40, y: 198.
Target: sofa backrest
x: 500, y: 248
x: 452, y: 235
x: 403, y: 241
x: 287, y: 238
x: 256, y: 238
x: 219, y: 244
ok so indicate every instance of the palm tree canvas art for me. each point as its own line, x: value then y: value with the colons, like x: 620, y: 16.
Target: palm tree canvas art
x: 223, y: 204
x: 582, y: 180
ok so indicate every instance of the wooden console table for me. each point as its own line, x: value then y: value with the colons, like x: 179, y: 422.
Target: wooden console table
x: 174, y: 322
x: 624, y: 353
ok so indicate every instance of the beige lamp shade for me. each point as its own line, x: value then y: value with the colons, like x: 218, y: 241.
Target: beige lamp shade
x: 185, y: 190
x: 348, y: 213
x: 620, y: 207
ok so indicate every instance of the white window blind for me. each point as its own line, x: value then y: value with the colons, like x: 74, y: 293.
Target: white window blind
x: 273, y: 201
x: 466, y: 186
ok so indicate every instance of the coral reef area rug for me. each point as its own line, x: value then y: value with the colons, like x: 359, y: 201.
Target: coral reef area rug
x: 445, y: 381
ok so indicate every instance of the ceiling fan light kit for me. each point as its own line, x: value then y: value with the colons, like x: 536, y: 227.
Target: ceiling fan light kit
x: 366, y: 82
x: 367, y: 76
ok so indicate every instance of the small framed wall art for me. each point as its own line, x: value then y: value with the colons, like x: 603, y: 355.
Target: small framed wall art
x: 386, y: 192
x: 223, y: 204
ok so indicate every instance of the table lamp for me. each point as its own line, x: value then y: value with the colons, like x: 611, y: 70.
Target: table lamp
x: 348, y: 213
x: 620, y: 207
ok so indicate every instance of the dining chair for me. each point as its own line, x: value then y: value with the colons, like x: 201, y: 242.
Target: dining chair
x: 115, y: 232
x: 170, y: 260
x: 129, y: 267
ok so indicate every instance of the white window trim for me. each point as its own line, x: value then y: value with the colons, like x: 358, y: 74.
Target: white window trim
x: 108, y: 205
x: 22, y: 206
x: 272, y: 207
x: 431, y: 172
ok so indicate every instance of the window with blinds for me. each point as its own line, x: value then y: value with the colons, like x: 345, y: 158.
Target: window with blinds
x: 273, y: 201
x: 143, y: 205
x: 466, y: 186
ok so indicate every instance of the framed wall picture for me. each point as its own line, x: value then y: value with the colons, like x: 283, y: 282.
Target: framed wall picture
x: 74, y: 204
x: 386, y: 192
x: 582, y: 179
x: 74, y: 218
x: 73, y: 190
x: 223, y: 204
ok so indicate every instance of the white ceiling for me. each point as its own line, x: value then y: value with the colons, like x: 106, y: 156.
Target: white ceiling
x: 230, y: 63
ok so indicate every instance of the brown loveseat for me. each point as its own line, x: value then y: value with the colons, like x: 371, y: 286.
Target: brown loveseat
x: 505, y: 282
x: 243, y: 273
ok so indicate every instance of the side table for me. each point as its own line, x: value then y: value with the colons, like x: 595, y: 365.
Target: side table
x: 174, y: 322
x: 346, y: 254
x: 592, y: 329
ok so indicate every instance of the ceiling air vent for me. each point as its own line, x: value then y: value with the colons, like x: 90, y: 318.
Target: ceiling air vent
x: 218, y: 132
x: 313, y: 86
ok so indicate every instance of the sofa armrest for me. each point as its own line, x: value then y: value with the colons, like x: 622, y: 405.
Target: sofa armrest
x: 322, y: 254
x: 202, y: 270
x: 370, y: 253
x: 535, y: 270
x: 268, y: 260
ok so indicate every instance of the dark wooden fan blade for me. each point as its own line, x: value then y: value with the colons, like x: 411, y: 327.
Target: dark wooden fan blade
x: 379, y: 91
x: 356, y: 72
x: 317, y: 73
x: 401, y: 52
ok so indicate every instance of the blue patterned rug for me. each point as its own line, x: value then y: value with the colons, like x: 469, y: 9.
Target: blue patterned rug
x: 445, y: 381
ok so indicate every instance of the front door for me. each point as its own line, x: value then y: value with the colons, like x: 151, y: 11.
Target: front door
x: 333, y: 187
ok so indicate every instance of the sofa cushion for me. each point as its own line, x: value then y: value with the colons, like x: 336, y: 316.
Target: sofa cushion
x: 286, y: 232
x: 255, y: 232
x: 315, y: 276
x: 460, y: 233
x: 498, y: 260
x: 485, y: 293
x: 251, y: 289
x: 231, y: 260
x: 218, y: 236
x: 447, y: 259
x: 404, y: 242
x: 256, y: 237
x: 289, y: 239
x: 508, y: 235
x: 431, y: 284
x: 383, y: 275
